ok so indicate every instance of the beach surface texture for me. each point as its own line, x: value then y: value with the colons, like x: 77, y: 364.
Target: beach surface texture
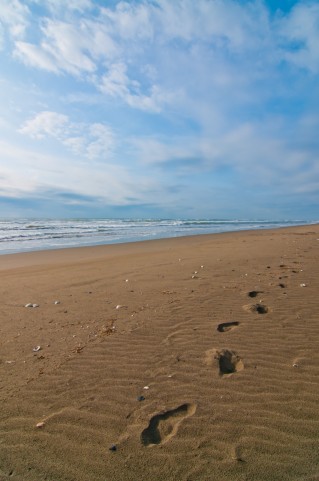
x: 186, y: 359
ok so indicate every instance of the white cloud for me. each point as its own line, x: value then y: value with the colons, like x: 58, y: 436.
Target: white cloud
x: 94, y: 141
x: 97, y: 142
x: 57, y: 5
x: 117, y: 83
x: 35, y: 56
x: 74, y: 48
x: 45, y: 123
x: 301, y: 30
x: 102, y: 141
x: 130, y: 21
x: 15, y: 16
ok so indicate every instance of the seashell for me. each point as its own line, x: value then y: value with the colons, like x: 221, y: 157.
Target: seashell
x: 28, y: 305
x: 146, y: 387
x: 36, y: 349
x: 35, y: 305
x: 40, y: 425
x: 303, y: 285
x: 56, y: 302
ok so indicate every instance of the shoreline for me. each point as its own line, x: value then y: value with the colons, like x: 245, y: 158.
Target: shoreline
x: 25, y: 258
x: 185, y: 358
x: 58, y: 234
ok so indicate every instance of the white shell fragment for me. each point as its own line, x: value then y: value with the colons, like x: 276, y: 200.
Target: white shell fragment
x: 146, y: 387
x: 31, y: 305
x: 56, y: 302
x: 303, y: 285
x: 36, y: 348
x: 40, y: 425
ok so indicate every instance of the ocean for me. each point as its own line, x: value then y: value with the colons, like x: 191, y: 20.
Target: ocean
x: 23, y: 235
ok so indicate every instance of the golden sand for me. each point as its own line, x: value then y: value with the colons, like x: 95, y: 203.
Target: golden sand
x: 190, y: 359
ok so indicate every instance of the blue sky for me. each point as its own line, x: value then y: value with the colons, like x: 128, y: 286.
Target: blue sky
x: 159, y: 108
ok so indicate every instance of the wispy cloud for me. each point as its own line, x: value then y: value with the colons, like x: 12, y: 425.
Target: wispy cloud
x: 14, y: 16
x: 89, y: 140
x: 300, y: 31
x: 45, y: 123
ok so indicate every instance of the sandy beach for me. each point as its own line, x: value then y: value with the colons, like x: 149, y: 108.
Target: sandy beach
x: 186, y: 359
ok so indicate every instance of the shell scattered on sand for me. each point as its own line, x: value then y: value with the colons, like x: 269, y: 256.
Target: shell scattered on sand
x: 31, y: 305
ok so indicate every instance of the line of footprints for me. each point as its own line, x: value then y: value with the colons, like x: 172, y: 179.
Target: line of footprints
x: 162, y: 427
x: 229, y: 361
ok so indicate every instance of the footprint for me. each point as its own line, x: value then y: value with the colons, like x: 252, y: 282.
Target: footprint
x: 260, y: 308
x: 163, y: 427
x: 227, y: 326
x: 237, y: 454
x: 229, y: 362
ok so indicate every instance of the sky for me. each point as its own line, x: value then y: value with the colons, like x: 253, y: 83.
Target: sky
x: 159, y: 108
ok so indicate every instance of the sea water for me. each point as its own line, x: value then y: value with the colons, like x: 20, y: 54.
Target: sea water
x: 22, y: 235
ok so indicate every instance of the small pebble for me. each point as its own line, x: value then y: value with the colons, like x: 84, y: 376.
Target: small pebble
x: 41, y: 424
x: 113, y: 447
x: 141, y: 398
x: 146, y: 387
x: 295, y: 365
x: 302, y: 285
x: 56, y: 302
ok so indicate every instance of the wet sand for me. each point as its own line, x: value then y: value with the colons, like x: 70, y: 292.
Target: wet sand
x: 186, y: 359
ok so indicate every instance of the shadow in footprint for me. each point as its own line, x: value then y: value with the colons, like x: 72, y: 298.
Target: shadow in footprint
x: 260, y: 308
x: 164, y: 426
x: 227, y: 326
x: 229, y: 362
x: 254, y: 293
